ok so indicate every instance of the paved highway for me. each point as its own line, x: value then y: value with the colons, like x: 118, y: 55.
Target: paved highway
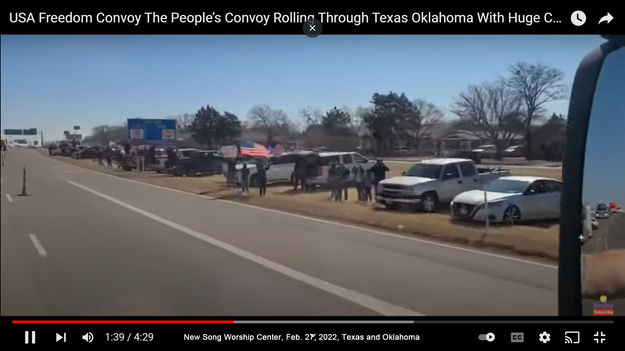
x: 609, y: 235
x: 86, y: 243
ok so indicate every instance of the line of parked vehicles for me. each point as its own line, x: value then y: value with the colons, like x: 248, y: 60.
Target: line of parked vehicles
x: 175, y: 161
x: 471, y: 192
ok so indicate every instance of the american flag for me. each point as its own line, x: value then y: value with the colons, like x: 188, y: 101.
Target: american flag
x: 252, y: 149
x: 277, y: 150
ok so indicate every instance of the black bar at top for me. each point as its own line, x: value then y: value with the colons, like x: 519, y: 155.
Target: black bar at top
x: 558, y: 13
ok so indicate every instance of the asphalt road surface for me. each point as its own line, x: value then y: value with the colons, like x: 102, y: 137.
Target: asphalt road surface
x: 84, y: 243
x: 609, y: 235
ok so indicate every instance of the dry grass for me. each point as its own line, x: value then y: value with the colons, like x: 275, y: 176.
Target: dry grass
x: 604, y: 274
x: 540, y: 239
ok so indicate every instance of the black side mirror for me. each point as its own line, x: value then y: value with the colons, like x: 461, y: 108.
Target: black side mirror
x: 403, y: 173
x: 594, y: 140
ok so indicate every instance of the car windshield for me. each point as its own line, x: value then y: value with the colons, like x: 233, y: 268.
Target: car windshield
x: 509, y: 186
x: 424, y: 170
x: 602, y: 207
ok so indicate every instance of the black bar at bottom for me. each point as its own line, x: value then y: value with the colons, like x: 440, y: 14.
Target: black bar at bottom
x: 599, y: 333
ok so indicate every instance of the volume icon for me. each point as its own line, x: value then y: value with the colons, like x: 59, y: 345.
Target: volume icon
x: 88, y: 337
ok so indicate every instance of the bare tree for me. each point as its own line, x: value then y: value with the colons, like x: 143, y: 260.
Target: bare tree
x: 428, y: 116
x: 184, y: 121
x: 536, y: 85
x: 104, y: 134
x: 271, y: 122
x: 310, y: 116
x: 490, y: 111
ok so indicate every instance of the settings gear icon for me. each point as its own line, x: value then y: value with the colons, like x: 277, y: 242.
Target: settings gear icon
x: 544, y: 337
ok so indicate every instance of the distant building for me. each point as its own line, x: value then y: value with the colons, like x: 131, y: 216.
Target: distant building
x: 441, y: 139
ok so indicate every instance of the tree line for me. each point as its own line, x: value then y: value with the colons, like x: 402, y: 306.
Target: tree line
x: 496, y: 112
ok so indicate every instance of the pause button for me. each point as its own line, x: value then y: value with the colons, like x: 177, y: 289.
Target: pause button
x: 29, y: 337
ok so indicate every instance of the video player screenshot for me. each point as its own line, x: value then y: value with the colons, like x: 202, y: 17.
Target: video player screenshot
x: 199, y: 178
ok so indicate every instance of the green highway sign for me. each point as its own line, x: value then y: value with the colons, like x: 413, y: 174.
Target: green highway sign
x: 30, y: 131
x: 13, y: 132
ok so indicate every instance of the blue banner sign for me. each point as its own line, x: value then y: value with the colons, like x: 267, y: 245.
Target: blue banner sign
x: 140, y: 129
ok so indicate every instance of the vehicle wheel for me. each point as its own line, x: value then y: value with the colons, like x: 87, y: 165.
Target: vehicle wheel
x: 512, y: 215
x: 254, y: 181
x: 429, y: 202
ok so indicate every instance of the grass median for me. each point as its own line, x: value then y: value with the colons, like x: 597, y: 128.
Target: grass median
x: 535, y: 239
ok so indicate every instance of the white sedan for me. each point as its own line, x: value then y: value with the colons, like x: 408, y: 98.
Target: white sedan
x: 510, y: 200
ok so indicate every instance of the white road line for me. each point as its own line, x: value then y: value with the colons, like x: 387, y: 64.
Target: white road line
x: 373, y: 231
x: 398, y: 236
x: 40, y: 250
x: 9, y: 198
x: 370, y: 302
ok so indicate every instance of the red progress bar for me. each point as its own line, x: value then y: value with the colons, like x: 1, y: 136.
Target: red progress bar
x: 121, y: 322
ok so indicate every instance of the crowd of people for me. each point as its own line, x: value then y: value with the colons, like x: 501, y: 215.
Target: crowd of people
x: 340, y: 179
x: 130, y: 157
x: 261, y: 176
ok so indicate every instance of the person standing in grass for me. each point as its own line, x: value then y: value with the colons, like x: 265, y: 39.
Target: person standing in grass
x: 297, y: 170
x: 261, y: 174
x: 359, y: 178
x: 379, y: 169
x: 332, y: 181
x: 245, y: 178
x: 342, y: 181
x: 109, y: 157
x: 369, y: 181
x: 232, y: 173
x: 99, y: 155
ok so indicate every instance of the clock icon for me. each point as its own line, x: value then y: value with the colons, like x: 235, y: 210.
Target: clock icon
x: 578, y: 18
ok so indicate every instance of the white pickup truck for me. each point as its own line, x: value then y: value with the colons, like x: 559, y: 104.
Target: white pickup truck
x: 434, y: 181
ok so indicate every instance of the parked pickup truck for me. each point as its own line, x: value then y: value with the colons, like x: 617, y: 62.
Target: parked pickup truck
x: 430, y: 182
